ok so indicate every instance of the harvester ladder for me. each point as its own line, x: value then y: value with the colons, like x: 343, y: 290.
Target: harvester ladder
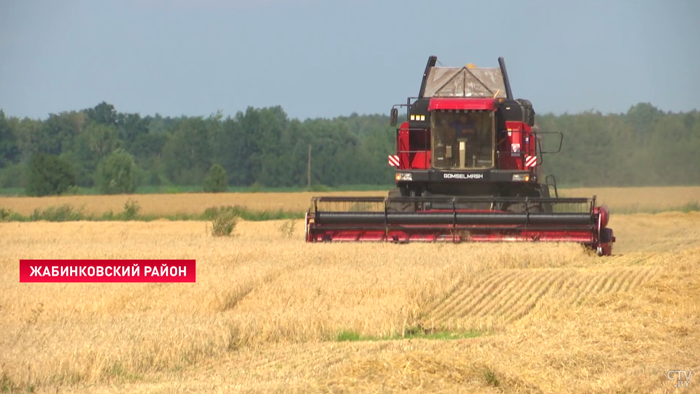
x: 553, y: 183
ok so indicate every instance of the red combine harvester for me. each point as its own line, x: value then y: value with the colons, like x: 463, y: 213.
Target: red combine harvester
x: 468, y: 169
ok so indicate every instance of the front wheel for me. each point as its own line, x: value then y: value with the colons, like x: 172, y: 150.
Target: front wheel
x: 522, y: 208
x: 605, y: 243
x: 398, y: 206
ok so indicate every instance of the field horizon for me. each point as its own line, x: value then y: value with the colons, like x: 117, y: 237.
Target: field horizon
x: 619, y: 200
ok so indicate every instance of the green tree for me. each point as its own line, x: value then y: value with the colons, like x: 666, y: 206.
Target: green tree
x: 215, y: 181
x: 102, y: 113
x: 187, y: 154
x: 116, y: 173
x: 232, y: 151
x: 57, y: 133
x: 147, y: 150
x: 9, y: 151
x: 642, y: 117
x: 95, y: 143
x: 49, y: 175
x: 131, y: 127
x: 29, y: 136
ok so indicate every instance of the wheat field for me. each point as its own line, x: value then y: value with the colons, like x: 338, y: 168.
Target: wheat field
x: 267, y: 309
x: 169, y: 204
x: 622, y: 199
x: 639, y: 199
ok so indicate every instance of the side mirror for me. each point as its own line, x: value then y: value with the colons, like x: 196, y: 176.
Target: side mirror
x: 394, y: 116
x: 552, y: 146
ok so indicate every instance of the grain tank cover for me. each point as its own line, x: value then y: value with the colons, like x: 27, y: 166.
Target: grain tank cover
x: 465, y: 82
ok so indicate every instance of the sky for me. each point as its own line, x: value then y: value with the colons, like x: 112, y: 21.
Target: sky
x: 327, y: 58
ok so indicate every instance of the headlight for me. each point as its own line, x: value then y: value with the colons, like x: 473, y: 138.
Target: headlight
x: 404, y: 176
x: 521, y: 177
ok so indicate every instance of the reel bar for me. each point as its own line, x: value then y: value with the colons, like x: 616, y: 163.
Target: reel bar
x: 450, y: 218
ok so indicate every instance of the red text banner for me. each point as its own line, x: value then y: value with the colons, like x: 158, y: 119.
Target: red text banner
x: 115, y: 271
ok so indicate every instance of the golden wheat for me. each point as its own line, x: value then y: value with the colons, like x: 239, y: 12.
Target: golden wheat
x: 632, y: 199
x: 266, y: 309
x: 169, y: 204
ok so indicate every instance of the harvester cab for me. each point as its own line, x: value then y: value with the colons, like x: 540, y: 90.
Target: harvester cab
x: 468, y: 168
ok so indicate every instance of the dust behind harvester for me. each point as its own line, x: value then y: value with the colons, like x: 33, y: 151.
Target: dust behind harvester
x: 468, y: 169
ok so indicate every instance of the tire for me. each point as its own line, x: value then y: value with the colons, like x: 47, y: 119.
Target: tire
x: 544, y: 193
x: 530, y: 207
x: 535, y: 208
x: 399, y: 206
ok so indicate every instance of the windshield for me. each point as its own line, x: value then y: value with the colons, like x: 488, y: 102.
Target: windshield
x: 462, y: 140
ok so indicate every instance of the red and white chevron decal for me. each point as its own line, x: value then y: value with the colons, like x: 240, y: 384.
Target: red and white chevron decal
x: 394, y: 160
x: 530, y: 161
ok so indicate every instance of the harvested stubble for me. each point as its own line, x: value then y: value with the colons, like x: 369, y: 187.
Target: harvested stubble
x: 266, y: 309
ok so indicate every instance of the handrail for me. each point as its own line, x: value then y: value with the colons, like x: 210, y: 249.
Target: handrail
x: 554, y: 183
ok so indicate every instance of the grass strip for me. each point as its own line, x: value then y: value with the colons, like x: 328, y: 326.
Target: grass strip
x: 411, y: 333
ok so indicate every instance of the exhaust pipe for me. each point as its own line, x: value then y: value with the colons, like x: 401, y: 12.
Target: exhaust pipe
x: 506, y: 81
x: 431, y: 63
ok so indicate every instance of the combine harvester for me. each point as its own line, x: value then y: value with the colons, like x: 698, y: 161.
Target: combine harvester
x: 468, y: 169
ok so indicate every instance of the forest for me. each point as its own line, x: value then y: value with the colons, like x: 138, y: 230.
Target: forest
x: 103, y: 149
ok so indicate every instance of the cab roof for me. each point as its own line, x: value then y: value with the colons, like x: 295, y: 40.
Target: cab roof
x: 465, y: 82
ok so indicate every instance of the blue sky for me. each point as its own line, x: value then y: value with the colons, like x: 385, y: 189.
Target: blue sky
x: 324, y: 58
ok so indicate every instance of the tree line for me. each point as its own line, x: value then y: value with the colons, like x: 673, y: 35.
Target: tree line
x: 643, y: 147
x: 116, y: 152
